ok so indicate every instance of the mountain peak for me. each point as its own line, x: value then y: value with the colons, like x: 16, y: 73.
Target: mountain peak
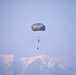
x: 45, y: 59
x: 43, y: 56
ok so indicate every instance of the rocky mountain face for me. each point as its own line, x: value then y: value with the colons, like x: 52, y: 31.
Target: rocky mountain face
x: 37, y: 65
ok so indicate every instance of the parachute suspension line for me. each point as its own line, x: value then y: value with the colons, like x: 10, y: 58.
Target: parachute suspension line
x: 38, y: 40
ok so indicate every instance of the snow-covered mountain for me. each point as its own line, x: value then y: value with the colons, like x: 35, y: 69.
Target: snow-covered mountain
x: 37, y: 65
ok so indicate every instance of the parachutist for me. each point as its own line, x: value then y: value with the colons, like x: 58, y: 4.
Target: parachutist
x: 38, y: 41
x: 37, y: 48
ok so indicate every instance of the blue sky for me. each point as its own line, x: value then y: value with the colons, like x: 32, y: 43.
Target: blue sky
x: 59, y: 39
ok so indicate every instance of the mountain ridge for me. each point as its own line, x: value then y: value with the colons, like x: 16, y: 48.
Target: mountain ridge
x: 36, y: 65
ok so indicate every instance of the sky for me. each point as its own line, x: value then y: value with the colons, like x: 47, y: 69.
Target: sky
x: 59, y: 38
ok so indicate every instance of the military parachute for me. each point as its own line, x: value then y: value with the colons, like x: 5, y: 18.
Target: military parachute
x: 38, y: 27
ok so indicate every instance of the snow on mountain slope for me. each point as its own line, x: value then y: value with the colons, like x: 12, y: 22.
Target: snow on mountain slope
x: 43, y: 58
x: 37, y: 65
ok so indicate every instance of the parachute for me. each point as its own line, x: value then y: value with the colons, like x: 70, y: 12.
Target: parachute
x: 38, y: 27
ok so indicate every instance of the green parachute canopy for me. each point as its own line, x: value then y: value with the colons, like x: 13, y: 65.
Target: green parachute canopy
x: 38, y: 27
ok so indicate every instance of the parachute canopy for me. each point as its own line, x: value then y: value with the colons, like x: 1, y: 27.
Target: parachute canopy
x: 38, y: 27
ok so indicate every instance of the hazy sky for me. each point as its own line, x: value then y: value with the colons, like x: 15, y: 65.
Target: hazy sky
x: 59, y: 39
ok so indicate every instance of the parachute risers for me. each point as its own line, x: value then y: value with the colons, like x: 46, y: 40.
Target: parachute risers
x: 38, y: 27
